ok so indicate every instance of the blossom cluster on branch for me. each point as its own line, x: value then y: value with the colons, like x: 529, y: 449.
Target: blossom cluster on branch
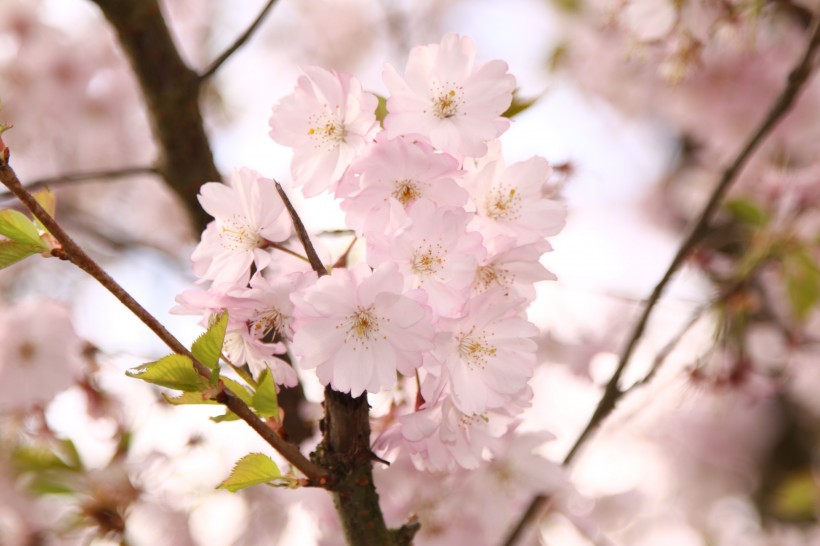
x: 452, y: 238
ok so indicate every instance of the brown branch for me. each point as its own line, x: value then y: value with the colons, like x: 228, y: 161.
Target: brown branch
x: 612, y: 392
x: 70, y: 178
x: 345, y: 447
x: 665, y: 351
x: 171, y: 91
x: 72, y: 252
x: 219, y: 61
x: 302, y: 233
x: 345, y: 450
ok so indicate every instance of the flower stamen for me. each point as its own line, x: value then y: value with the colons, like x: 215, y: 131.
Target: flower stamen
x: 475, y: 351
x: 406, y: 191
x: 503, y: 204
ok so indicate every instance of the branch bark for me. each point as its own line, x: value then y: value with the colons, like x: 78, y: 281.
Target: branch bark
x: 796, y: 81
x: 171, y: 91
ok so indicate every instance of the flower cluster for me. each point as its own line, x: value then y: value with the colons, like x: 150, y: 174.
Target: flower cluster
x: 453, y: 237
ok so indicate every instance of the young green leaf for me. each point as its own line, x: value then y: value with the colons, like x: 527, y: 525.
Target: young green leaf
x: 37, y: 459
x: 48, y: 201
x: 381, y: 109
x: 518, y: 105
x: 174, y: 372
x: 239, y: 390
x: 802, y: 278
x: 52, y: 483
x: 265, y: 401
x: 796, y: 497
x: 187, y: 398
x: 12, y: 252
x: 747, y: 211
x: 252, y: 469
x: 17, y: 227
x: 208, y: 347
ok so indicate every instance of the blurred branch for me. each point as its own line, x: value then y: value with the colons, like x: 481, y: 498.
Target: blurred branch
x: 665, y: 351
x: 113, y: 174
x: 219, y: 61
x: 70, y: 251
x: 171, y: 91
x: 612, y: 392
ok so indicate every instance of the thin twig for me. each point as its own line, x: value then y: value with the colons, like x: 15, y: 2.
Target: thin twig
x: 302, y: 233
x: 612, y: 392
x: 219, y: 61
x: 84, y: 176
x: 286, y: 250
x: 72, y: 252
x: 666, y: 350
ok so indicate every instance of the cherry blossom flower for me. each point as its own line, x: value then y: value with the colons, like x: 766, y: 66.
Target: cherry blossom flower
x: 393, y: 174
x: 490, y: 355
x: 435, y: 253
x: 441, y: 437
x: 265, y: 306
x: 448, y: 100
x: 327, y: 121
x: 240, y: 349
x: 516, y: 269
x: 357, y: 329
x: 510, y: 201
x: 248, y: 215
x: 40, y: 354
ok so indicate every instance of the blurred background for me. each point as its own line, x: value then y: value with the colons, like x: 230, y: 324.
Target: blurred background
x: 638, y: 105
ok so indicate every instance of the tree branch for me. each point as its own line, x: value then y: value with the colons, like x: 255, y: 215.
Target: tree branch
x: 72, y: 252
x: 219, y: 61
x: 612, y: 392
x: 345, y: 447
x: 302, y: 233
x: 124, y: 172
x: 171, y: 91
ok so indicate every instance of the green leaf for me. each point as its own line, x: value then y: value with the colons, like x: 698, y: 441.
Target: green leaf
x: 50, y: 483
x: 747, y: 212
x: 252, y: 469
x: 37, y: 459
x: 557, y: 57
x: 802, y: 277
x: 239, y: 390
x: 48, y: 201
x: 68, y: 452
x: 265, y: 401
x: 12, y: 252
x: 208, y: 347
x: 796, y: 497
x: 174, y: 372
x: 381, y: 109
x: 18, y: 227
x: 518, y: 105
x: 569, y: 6
x: 187, y: 398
